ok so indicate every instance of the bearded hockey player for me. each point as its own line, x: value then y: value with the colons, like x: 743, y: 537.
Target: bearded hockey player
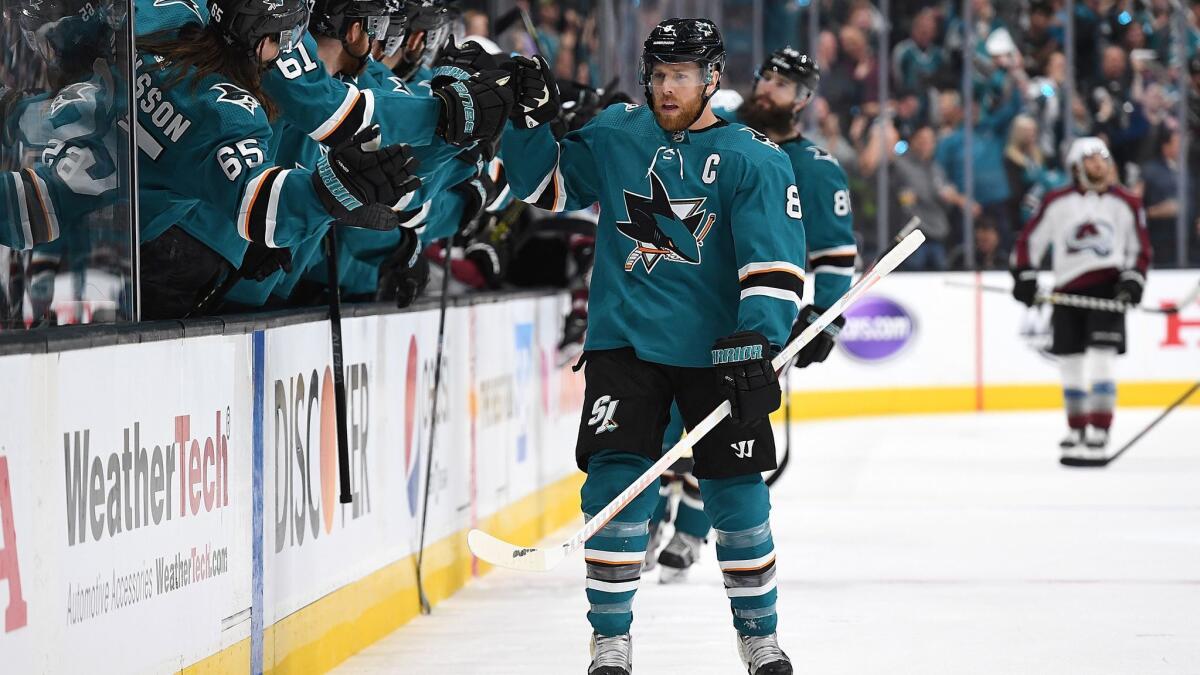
x: 1095, y: 231
x: 783, y: 87
x: 694, y: 289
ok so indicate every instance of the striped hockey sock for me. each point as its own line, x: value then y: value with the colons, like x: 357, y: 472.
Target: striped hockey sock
x: 615, y: 554
x: 739, y: 508
x: 1075, y: 395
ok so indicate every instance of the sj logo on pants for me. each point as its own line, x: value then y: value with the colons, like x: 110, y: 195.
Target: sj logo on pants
x: 604, y: 411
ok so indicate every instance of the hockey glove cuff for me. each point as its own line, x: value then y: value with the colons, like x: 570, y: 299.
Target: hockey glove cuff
x: 745, y: 375
x: 475, y: 109
x: 1025, y: 286
x: 819, y: 348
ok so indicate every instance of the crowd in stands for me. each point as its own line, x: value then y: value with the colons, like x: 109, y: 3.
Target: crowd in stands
x: 1128, y: 81
x: 956, y: 157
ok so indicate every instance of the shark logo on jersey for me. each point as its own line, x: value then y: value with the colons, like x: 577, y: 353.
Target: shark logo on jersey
x: 761, y: 138
x: 1094, y: 235
x: 189, y: 4
x: 820, y: 153
x: 399, y: 85
x: 76, y: 93
x: 235, y: 96
x: 662, y: 227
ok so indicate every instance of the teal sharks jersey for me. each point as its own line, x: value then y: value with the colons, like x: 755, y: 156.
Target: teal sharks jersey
x: 77, y: 143
x: 828, y: 222
x: 209, y: 142
x: 698, y: 230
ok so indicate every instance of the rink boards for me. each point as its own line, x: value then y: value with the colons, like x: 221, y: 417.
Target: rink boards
x: 174, y: 505
x: 932, y: 343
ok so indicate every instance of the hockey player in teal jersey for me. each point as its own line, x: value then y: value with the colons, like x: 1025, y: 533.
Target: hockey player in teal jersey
x: 207, y: 140
x: 783, y: 86
x: 70, y: 129
x: 692, y: 292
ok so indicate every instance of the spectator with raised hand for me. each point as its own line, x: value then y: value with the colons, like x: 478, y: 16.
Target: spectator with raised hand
x: 990, y: 184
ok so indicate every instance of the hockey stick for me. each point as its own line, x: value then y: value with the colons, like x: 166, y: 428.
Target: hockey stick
x: 426, y: 606
x: 1082, y: 301
x: 912, y: 224
x: 345, y: 494
x: 1077, y: 462
x: 503, y: 554
x: 787, y: 429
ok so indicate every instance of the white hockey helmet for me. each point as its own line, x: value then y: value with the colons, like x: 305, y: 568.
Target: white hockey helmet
x: 1082, y: 148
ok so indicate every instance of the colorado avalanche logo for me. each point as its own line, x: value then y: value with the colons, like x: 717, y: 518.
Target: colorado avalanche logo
x: 663, y: 227
x: 235, y: 96
x: 1094, y: 235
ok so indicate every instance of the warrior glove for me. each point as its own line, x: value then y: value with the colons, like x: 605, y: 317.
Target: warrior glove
x: 358, y: 175
x: 745, y: 375
x: 536, y: 92
x: 475, y: 109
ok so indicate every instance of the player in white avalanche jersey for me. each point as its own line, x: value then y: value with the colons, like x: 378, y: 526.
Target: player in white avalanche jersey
x: 1095, y: 231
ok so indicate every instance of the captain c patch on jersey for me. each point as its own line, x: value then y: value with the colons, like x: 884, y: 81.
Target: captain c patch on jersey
x: 664, y: 228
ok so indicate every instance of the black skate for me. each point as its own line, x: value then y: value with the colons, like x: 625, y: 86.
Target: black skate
x: 612, y: 655
x: 763, y: 656
x: 1092, y: 451
x: 680, y: 554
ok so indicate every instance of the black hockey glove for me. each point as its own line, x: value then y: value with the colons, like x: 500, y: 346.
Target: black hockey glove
x: 819, y: 348
x: 460, y: 62
x: 403, y: 276
x: 1130, y: 287
x: 535, y: 91
x: 745, y: 375
x: 475, y: 109
x: 261, y: 261
x: 357, y: 174
x: 1025, y: 286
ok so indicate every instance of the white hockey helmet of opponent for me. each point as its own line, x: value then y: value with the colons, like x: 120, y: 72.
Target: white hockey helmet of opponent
x: 1082, y: 148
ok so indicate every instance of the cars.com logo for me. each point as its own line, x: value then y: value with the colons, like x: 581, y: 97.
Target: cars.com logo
x: 876, y: 329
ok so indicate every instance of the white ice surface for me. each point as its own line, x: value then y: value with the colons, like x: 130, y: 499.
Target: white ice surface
x: 935, y: 544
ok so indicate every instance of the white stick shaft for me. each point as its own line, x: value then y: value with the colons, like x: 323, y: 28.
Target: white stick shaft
x: 884, y: 267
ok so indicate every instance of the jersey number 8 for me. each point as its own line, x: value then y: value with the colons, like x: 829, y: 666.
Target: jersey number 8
x: 841, y: 203
x: 793, y: 203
